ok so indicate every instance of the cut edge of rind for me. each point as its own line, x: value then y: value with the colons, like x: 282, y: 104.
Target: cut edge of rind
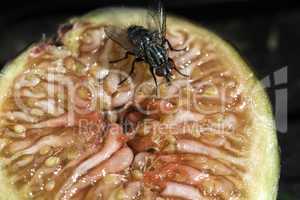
x: 8, y: 73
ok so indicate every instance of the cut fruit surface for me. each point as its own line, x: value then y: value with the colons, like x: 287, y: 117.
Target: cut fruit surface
x: 68, y: 130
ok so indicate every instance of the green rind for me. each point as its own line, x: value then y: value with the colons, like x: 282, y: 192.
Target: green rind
x: 263, y: 162
x: 8, y: 74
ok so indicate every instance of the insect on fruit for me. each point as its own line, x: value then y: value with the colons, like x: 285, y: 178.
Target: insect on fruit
x: 148, y: 44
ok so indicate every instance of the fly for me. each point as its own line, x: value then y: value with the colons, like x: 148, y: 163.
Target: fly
x: 147, y: 44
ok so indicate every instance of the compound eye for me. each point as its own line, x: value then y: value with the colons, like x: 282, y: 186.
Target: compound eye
x: 160, y: 72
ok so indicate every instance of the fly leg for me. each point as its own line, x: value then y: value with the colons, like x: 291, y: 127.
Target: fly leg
x: 123, y: 58
x: 154, y: 77
x: 174, y: 66
x: 172, y: 48
x: 168, y: 78
x: 131, y: 70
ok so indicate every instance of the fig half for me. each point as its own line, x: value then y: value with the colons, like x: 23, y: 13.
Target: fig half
x: 70, y: 131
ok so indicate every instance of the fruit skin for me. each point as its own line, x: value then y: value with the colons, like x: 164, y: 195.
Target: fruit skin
x: 264, y: 164
x: 8, y: 73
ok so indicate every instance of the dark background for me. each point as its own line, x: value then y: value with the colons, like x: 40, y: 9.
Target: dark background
x: 267, y: 35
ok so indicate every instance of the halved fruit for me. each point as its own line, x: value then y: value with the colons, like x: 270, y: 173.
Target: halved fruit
x: 70, y: 131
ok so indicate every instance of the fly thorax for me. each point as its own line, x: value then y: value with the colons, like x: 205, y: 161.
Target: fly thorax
x: 136, y: 34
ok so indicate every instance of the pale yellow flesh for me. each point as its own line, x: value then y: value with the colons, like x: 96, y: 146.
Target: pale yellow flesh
x: 263, y: 164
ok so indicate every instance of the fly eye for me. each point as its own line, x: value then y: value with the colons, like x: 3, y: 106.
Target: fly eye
x: 160, y: 72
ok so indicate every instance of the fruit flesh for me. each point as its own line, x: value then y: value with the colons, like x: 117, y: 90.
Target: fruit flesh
x: 259, y: 178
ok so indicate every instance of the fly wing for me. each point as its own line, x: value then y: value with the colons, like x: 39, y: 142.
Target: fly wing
x: 119, y: 35
x: 157, y: 19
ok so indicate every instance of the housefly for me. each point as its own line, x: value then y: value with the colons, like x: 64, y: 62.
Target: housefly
x: 147, y: 44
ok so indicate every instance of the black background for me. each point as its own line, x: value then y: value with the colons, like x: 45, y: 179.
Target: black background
x: 267, y: 35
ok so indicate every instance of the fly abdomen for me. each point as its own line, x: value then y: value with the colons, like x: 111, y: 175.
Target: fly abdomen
x: 155, y: 56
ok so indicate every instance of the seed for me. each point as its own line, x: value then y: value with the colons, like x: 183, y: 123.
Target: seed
x: 61, y: 97
x: 34, y: 78
x: 211, y: 92
x: 45, y: 150
x: 37, y: 112
x: 19, y: 128
x: 137, y: 174
x: 50, y: 185
x: 30, y: 102
x: 171, y: 139
x: 111, y: 179
x: 13, y: 134
x: 79, y: 67
x: 72, y: 154
x: 220, y: 118
x: 170, y: 148
x: 83, y: 93
x: 52, y: 161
